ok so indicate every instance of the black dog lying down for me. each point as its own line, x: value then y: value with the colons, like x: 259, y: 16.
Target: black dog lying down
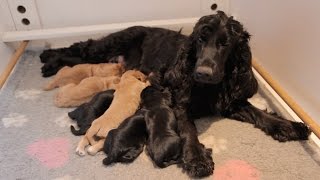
x: 88, y: 112
x: 125, y: 143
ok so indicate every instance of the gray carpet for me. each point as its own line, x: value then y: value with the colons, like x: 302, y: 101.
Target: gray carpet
x: 36, y: 143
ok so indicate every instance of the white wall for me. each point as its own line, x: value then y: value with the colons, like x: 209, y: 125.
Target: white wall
x: 285, y: 39
x: 6, y: 24
x: 62, y: 13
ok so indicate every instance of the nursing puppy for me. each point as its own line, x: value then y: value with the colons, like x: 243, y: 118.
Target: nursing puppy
x: 163, y: 145
x: 76, y: 94
x: 126, y: 143
x: 75, y: 74
x: 87, y: 112
x: 124, y: 104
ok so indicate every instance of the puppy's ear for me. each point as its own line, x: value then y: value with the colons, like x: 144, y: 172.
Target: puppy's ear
x: 131, y: 154
x: 139, y: 75
x: 154, y: 79
x: 107, y: 161
x: 116, y: 80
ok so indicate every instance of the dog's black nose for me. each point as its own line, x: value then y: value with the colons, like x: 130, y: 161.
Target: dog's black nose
x: 203, y: 73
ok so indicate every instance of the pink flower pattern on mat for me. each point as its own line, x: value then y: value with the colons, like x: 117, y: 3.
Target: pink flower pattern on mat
x: 52, y: 153
x: 236, y: 170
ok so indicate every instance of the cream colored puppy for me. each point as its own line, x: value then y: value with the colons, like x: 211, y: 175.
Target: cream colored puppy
x: 73, y: 95
x: 125, y: 103
x: 75, y: 74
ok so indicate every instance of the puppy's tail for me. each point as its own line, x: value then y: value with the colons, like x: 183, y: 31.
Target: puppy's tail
x: 81, y: 131
x: 73, y: 115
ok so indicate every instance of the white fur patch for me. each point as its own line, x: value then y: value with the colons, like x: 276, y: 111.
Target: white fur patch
x: 29, y: 94
x: 14, y: 120
x: 217, y: 145
x: 80, y: 151
x: 64, y: 121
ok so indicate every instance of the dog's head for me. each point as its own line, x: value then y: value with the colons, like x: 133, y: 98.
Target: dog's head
x: 152, y: 96
x: 130, y: 74
x: 215, y: 38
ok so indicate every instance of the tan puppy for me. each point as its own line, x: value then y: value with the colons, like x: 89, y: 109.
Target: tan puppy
x: 75, y: 74
x: 76, y: 94
x: 125, y: 103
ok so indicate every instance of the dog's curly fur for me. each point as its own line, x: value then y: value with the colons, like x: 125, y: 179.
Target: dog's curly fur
x: 210, y: 74
x: 86, y: 113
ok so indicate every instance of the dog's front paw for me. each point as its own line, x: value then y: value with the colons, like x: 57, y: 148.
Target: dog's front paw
x: 80, y: 151
x: 92, y: 150
x: 197, y: 161
x: 49, y: 69
x: 288, y: 131
x: 47, y: 54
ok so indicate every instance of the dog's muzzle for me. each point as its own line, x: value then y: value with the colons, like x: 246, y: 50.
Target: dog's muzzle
x: 205, y: 74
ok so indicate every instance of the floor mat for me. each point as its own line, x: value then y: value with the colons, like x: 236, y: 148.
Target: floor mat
x: 36, y: 143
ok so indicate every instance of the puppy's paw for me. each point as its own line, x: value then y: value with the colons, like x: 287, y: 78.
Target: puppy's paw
x: 58, y: 100
x: 49, y: 69
x: 92, y: 151
x: 47, y: 54
x: 80, y: 151
x: 288, y: 131
x: 197, y: 161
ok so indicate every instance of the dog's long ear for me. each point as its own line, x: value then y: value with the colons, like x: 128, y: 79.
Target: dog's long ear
x: 178, y: 73
x: 239, y: 68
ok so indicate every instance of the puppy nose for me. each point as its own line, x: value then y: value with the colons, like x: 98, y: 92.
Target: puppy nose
x: 204, y: 72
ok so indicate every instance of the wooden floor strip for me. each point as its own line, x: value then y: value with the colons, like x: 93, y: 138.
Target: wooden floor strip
x: 14, y: 59
x: 284, y: 95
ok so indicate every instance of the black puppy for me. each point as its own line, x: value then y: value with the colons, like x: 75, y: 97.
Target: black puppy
x: 126, y: 143
x: 164, y: 145
x: 88, y: 112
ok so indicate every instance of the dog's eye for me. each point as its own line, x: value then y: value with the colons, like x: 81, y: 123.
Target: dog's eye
x: 222, y: 42
x: 200, y: 40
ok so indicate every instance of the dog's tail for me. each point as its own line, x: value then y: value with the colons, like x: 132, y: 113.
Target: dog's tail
x: 81, y: 131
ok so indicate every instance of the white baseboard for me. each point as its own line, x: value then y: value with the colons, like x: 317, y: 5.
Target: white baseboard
x: 44, y: 34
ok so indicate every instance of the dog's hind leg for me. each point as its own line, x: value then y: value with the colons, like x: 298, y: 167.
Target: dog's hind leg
x: 92, y: 150
x: 279, y: 128
x: 57, y: 80
x: 92, y: 132
x: 93, y: 51
x: 82, y: 145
